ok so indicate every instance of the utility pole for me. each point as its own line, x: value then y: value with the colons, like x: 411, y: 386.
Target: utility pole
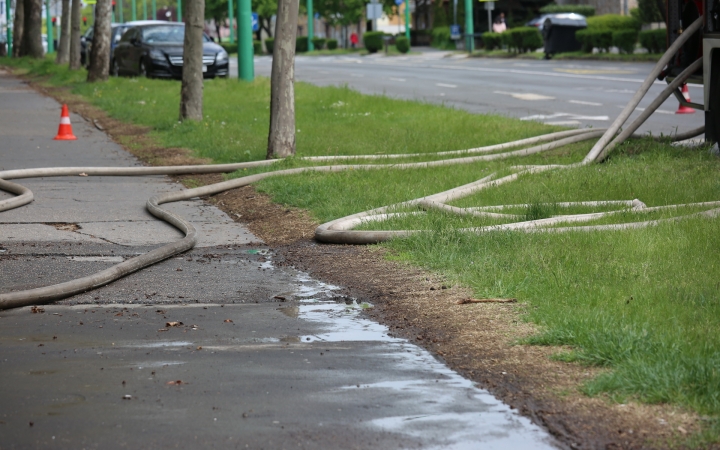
x: 133, y: 10
x: 179, y: 11
x: 311, y: 20
x: 230, y: 21
x: 246, y: 68
x: 120, y: 10
x: 154, y: 10
x: 407, y: 19
x: 469, y: 26
x: 8, y: 29
x: 50, y: 34
x: 144, y: 9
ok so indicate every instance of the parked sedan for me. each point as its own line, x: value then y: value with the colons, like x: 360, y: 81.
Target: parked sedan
x: 116, y: 31
x: 157, y: 51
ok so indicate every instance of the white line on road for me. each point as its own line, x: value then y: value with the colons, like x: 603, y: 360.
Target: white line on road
x: 580, y: 102
x: 563, y: 122
x: 357, y: 75
x: 568, y: 116
x: 396, y: 79
x: 526, y: 95
x: 446, y: 85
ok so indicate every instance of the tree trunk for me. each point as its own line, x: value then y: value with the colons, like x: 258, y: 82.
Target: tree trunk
x: 63, y: 51
x: 32, y: 31
x: 100, y: 51
x: 191, y: 93
x: 281, y: 140
x: 18, y: 27
x: 217, y: 30
x: 75, y: 35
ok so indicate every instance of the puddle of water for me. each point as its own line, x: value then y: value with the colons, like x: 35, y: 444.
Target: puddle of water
x: 96, y: 258
x: 153, y: 364
x: 290, y: 311
x: 267, y: 265
x: 160, y: 344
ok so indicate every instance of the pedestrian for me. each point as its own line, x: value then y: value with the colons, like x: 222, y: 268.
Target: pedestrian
x: 353, y: 39
x: 499, y: 25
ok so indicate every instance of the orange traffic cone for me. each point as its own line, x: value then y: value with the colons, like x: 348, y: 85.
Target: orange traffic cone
x: 65, y: 130
x: 685, y: 109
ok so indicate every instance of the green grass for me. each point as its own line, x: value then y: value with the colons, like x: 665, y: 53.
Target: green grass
x: 635, y: 57
x: 645, y: 303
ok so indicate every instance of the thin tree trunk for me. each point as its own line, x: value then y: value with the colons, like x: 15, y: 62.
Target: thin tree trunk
x: 281, y: 139
x: 217, y: 30
x: 191, y: 93
x: 63, y: 52
x: 99, y: 69
x: 75, y: 35
x: 18, y: 27
x: 32, y: 31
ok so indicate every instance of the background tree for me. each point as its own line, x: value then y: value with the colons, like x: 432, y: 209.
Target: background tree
x: 281, y: 139
x: 31, y: 44
x: 191, y: 93
x: 99, y: 68
x: 63, y: 51
x: 75, y: 35
x: 18, y: 27
x: 265, y: 9
x: 341, y: 13
x: 218, y: 11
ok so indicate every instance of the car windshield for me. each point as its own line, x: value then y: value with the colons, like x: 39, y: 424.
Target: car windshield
x: 166, y: 34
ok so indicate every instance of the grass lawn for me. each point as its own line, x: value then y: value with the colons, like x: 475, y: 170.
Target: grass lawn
x: 644, y: 303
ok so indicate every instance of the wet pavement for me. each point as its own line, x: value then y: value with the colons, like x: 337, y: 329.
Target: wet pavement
x: 216, y: 347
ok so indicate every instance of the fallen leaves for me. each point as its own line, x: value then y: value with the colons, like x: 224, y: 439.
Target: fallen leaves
x: 227, y: 321
x: 37, y: 310
x: 486, y: 300
x: 173, y: 324
x: 127, y: 397
x: 175, y: 383
x: 82, y: 174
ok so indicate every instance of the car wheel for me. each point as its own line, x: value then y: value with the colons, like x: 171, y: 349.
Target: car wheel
x: 115, y: 68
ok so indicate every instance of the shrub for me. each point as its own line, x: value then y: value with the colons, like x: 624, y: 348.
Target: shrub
x: 301, y: 44
x: 440, y: 37
x: 522, y: 39
x: 589, y: 39
x: 318, y: 43
x: 373, y: 41
x: 625, y: 40
x: 332, y: 44
x: 654, y: 40
x: 613, y: 22
x: 491, y: 40
x: 269, y: 43
x: 402, y: 44
x: 585, y: 10
x: 230, y: 48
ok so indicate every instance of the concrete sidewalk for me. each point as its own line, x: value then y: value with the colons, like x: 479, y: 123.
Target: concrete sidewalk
x: 214, y: 348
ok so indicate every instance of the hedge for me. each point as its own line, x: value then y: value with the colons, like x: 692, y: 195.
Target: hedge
x: 522, y: 39
x: 589, y: 39
x: 614, y: 22
x: 441, y: 37
x: 655, y: 41
x: 332, y: 44
x: 585, y: 10
x: 491, y: 40
x: 269, y: 43
x: 373, y: 41
x: 402, y: 44
x: 257, y: 47
x: 230, y: 48
x: 301, y: 44
x: 625, y: 40
x: 318, y: 43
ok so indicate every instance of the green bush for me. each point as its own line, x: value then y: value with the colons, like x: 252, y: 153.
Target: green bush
x: 318, y: 43
x: 402, y: 44
x: 625, y: 40
x: 491, y: 40
x: 332, y: 44
x: 589, y: 39
x: 301, y: 44
x: 613, y: 22
x: 648, y: 11
x: 230, y: 48
x: 522, y: 39
x: 373, y: 41
x: 585, y: 10
x: 655, y: 41
x: 269, y: 43
x: 441, y: 37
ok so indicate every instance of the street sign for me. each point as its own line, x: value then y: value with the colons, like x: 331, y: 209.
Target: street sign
x: 374, y: 11
x: 399, y: 2
x: 255, y: 25
x: 454, y: 32
x: 489, y: 6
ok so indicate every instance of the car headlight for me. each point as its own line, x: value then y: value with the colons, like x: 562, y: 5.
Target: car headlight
x: 222, y: 56
x: 157, y: 54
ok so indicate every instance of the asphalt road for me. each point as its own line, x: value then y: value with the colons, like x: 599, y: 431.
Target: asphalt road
x: 215, y: 348
x: 569, y: 93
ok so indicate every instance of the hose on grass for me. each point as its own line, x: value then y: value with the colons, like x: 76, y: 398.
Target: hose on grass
x: 342, y: 230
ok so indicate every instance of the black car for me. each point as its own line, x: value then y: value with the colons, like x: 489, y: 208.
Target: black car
x: 157, y: 51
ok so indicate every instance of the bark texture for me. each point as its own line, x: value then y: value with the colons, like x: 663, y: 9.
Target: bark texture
x: 32, y: 31
x: 75, y: 35
x: 63, y: 51
x: 99, y: 68
x: 281, y: 139
x: 18, y: 27
x: 191, y: 93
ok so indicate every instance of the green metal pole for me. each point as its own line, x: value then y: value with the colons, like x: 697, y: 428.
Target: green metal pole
x: 144, y: 9
x: 120, y: 10
x: 133, y: 10
x: 230, y: 21
x: 407, y: 19
x: 246, y: 68
x: 8, y: 46
x: 311, y: 22
x: 154, y: 10
x: 469, y: 26
x: 50, y: 34
x: 179, y: 11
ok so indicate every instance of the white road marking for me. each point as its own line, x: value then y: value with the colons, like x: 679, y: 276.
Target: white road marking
x: 563, y: 122
x: 659, y: 111
x: 397, y: 79
x: 568, y: 116
x: 357, y: 75
x: 580, y: 102
x: 323, y: 71
x: 446, y: 85
x: 526, y: 95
